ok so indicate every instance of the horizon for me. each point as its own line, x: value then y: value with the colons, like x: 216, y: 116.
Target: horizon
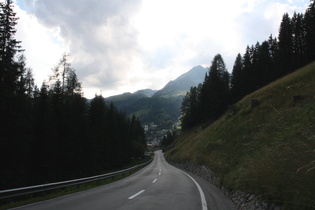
x: 129, y: 46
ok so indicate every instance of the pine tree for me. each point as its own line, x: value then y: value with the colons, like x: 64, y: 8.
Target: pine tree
x: 67, y: 78
x: 264, y: 66
x: 273, y: 52
x: 9, y: 46
x: 41, y: 146
x: 256, y: 68
x: 97, y: 143
x: 14, y: 108
x: 29, y: 83
x: 298, y: 40
x: 309, y: 19
x: 237, y: 86
x: 285, y: 46
x: 190, y: 109
x: 247, y: 66
x: 215, y: 90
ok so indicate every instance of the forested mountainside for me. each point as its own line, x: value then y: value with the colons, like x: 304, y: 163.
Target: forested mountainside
x: 163, y: 106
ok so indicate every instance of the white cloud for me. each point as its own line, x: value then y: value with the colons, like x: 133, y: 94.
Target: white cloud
x: 120, y: 46
x: 102, y: 41
x: 43, y: 46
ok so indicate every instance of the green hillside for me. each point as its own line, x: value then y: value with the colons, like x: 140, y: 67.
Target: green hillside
x: 159, y: 107
x: 264, y: 144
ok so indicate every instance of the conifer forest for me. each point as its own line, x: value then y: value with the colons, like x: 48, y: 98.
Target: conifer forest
x: 52, y: 133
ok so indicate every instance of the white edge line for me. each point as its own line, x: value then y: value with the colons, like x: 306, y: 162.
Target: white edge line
x: 135, y: 195
x: 202, y: 195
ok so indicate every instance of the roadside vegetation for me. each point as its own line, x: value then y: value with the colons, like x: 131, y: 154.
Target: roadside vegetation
x: 264, y: 144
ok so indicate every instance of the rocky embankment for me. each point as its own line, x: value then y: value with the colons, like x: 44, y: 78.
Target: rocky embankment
x: 243, y: 201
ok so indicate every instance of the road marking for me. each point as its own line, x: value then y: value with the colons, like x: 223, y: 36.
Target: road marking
x: 202, y: 195
x: 154, y: 181
x: 159, y: 162
x: 135, y: 195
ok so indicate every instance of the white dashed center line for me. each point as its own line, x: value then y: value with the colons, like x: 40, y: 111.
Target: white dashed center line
x: 135, y: 195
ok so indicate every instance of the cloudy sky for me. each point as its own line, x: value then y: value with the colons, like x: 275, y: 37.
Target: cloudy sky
x: 119, y: 46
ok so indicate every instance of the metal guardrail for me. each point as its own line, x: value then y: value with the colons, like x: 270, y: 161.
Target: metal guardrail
x: 50, y: 186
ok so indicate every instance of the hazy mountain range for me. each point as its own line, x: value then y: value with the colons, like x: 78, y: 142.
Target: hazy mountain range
x: 159, y: 106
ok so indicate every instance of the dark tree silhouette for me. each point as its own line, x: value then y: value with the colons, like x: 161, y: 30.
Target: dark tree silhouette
x: 309, y: 22
x: 237, y: 82
x: 285, y: 64
x: 190, y: 109
x: 215, y: 90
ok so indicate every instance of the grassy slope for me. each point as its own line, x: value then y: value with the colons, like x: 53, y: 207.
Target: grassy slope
x: 268, y: 150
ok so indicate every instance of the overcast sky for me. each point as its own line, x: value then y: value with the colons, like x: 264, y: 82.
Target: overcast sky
x: 119, y: 46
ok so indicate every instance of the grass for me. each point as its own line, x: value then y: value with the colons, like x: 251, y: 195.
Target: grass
x: 36, y: 197
x: 268, y: 150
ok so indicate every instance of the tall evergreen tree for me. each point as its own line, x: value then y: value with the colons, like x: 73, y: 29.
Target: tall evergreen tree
x: 309, y: 19
x: 237, y: 84
x: 248, y: 71
x: 215, y: 90
x: 285, y: 64
x: 13, y: 132
x: 298, y: 40
x: 273, y: 52
x: 190, y: 108
x: 42, y: 147
x: 264, y: 65
x: 9, y: 46
x: 97, y: 115
x: 256, y: 71
x: 30, y: 87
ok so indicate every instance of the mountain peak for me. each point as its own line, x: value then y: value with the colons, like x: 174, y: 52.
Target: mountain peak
x: 146, y: 92
x: 183, y: 83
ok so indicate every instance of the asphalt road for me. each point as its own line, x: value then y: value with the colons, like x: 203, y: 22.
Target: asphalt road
x: 157, y: 186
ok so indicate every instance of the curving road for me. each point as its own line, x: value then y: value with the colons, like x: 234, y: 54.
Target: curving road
x: 157, y: 186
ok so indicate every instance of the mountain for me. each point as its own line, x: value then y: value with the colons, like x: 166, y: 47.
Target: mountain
x: 125, y: 97
x: 125, y: 100
x: 161, y: 107
x: 182, y: 84
x: 146, y: 92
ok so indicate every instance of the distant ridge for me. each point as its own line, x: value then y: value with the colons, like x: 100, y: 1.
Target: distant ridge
x: 161, y: 107
x: 136, y: 95
x: 146, y: 92
x: 183, y: 83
